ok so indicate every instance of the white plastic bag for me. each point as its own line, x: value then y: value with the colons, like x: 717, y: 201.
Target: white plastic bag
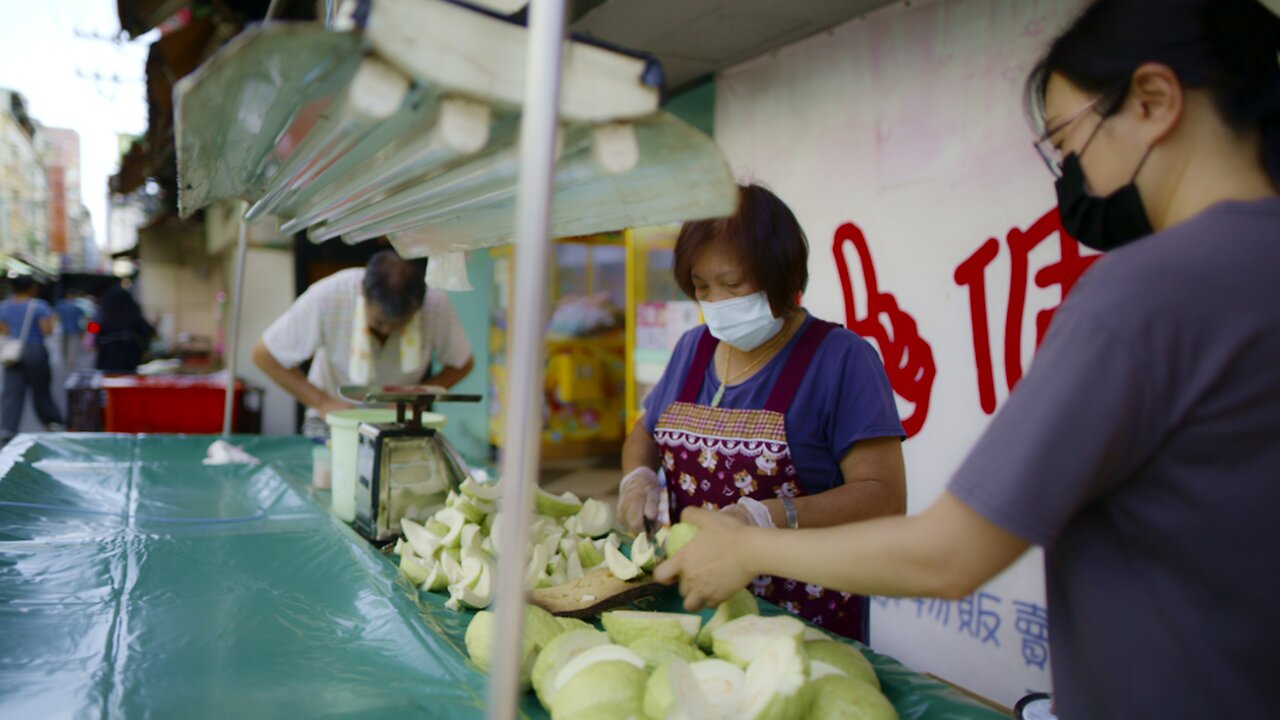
x: 448, y: 272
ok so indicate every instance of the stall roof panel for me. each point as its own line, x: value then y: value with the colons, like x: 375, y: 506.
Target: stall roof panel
x: 694, y: 38
x: 406, y: 127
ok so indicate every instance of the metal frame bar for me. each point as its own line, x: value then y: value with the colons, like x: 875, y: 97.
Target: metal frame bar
x: 232, y: 345
x: 526, y: 349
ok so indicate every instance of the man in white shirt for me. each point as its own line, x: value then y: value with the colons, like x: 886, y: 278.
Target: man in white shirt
x: 374, y: 326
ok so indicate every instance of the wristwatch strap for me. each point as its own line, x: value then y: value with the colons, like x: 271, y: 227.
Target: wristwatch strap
x: 789, y: 507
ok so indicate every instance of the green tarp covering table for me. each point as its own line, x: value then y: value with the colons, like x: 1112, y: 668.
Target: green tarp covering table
x: 135, y: 581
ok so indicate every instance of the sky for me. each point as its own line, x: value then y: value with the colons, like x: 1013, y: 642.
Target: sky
x: 44, y: 56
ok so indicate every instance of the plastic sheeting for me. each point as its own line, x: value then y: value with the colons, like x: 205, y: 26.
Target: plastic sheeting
x: 137, y: 582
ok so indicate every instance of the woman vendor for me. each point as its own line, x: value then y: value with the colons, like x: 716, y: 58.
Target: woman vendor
x: 766, y: 413
x: 1141, y: 450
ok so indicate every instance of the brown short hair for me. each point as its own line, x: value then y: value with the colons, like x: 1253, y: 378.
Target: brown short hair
x: 765, y: 234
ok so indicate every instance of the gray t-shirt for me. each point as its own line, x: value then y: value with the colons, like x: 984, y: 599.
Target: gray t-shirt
x: 1142, y: 450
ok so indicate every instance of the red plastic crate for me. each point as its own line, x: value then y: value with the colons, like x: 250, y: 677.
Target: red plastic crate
x: 167, y: 404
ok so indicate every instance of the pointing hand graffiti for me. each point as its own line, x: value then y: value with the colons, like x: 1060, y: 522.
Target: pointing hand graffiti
x: 908, y: 359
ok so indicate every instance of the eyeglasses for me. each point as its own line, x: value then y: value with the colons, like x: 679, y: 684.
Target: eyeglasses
x: 1050, y: 153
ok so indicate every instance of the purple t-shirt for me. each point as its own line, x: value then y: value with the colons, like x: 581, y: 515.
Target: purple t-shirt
x: 844, y: 397
x: 1143, y: 451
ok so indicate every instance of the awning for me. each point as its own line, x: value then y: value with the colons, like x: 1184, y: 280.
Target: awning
x: 406, y: 128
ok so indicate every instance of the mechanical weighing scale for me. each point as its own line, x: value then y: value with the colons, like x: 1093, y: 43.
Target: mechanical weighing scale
x: 404, y: 468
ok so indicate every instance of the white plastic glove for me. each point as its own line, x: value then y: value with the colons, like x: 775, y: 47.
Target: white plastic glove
x: 638, y: 496
x: 752, y: 512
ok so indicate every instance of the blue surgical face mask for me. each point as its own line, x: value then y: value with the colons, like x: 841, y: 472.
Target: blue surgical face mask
x: 744, y: 322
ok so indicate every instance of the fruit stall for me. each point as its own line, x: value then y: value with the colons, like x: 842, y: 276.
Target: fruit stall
x: 143, y: 579
x: 152, y: 584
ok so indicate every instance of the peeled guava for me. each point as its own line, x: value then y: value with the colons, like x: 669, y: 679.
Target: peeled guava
x: 721, y: 684
x: 606, y: 688
x: 540, y: 628
x: 627, y: 626
x: 842, y: 698
x: 812, y: 633
x: 557, y: 653
x: 657, y: 650
x: 819, y: 670
x: 591, y: 656
x: 479, y: 641
x: 568, y: 623
x: 845, y: 658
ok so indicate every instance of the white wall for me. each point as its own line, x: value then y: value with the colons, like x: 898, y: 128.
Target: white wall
x: 908, y: 124
x: 268, y: 293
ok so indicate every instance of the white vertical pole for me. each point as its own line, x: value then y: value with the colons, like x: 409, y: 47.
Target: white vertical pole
x: 231, y: 344
x: 526, y: 347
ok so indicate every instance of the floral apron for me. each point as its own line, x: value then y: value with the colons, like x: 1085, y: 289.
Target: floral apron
x: 713, y: 456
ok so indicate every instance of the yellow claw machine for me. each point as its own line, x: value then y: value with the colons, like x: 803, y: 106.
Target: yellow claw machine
x: 617, y: 315
x: 585, y: 377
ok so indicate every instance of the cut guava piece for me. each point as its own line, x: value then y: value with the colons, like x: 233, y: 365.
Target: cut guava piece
x: 742, y: 640
x: 627, y: 626
x: 642, y: 553
x: 489, y: 492
x: 673, y: 693
x: 739, y: 604
x: 721, y: 684
x: 454, y: 521
x: 573, y: 568
x: 451, y: 567
x: 620, y: 565
x: 774, y: 685
x: 472, y: 510
x: 471, y: 537
x: 558, y: 506
x: 589, y: 555
x: 536, y: 570
x: 846, y: 658
x: 594, y: 519
x: 424, y: 543
x: 414, y: 567
x: 436, y: 579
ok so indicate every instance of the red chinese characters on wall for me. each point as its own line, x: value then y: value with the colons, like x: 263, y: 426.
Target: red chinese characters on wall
x: 908, y: 359
x: 972, y: 274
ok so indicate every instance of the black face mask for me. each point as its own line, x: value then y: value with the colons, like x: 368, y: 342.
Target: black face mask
x: 1102, y: 223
